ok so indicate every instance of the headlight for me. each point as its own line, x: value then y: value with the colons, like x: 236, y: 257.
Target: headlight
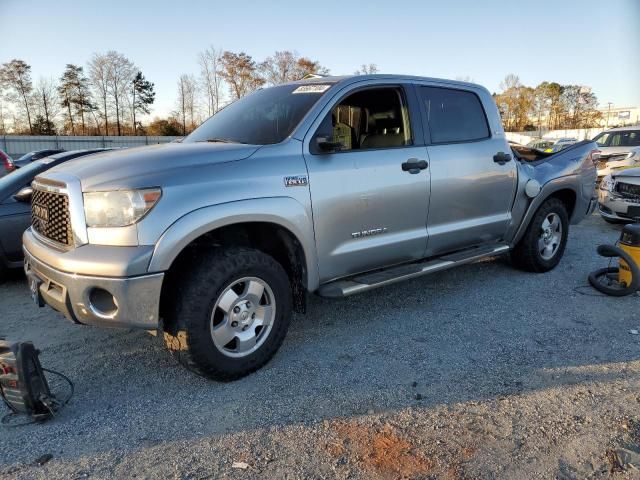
x: 607, y: 184
x: 118, y: 208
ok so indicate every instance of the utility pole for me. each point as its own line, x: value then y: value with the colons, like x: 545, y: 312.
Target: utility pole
x: 608, y: 112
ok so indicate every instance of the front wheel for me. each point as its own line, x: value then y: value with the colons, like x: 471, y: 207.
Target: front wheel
x: 542, y: 246
x: 231, y: 313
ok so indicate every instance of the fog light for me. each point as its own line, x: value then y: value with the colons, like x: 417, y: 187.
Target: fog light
x: 102, y: 302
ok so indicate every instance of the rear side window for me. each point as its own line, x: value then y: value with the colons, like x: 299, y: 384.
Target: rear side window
x: 454, y: 115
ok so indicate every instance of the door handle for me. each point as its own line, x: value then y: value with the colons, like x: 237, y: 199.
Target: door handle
x: 502, y: 158
x: 413, y: 165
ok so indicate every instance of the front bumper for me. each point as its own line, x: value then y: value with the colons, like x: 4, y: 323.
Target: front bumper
x: 95, y: 300
x: 614, y: 206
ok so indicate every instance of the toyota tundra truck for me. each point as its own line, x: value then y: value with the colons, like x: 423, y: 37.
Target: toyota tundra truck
x: 331, y: 185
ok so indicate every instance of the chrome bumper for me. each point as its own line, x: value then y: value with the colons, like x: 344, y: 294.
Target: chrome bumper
x: 614, y: 206
x: 100, y: 301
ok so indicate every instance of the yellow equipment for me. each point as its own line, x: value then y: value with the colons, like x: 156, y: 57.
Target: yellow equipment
x: 630, y: 243
x: 625, y: 278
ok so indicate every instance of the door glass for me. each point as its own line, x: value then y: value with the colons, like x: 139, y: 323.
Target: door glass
x: 372, y: 118
x: 454, y: 115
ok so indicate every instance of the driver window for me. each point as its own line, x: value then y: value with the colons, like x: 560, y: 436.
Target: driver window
x: 372, y: 118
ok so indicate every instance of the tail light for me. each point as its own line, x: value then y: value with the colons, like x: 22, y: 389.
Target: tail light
x: 594, y: 155
x: 7, y: 163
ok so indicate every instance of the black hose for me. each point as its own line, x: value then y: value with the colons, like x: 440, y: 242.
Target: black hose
x: 611, y: 251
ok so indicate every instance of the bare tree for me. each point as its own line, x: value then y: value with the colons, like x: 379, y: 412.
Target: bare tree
x: 286, y: 66
x: 15, y: 76
x: 120, y: 75
x: 47, y: 104
x: 209, y: 61
x: 99, y: 78
x: 3, y: 126
x: 240, y: 71
x: 367, y: 69
x: 187, y: 106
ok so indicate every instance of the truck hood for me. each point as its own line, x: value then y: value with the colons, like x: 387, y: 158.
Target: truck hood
x: 146, y: 166
x: 630, y: 172
x: 607, y: 152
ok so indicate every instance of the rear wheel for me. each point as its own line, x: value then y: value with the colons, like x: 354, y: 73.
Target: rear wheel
x: 542, y: 246
x: 231, y: 314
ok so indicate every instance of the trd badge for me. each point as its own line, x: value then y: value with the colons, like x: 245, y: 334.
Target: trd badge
x: 295, y: 181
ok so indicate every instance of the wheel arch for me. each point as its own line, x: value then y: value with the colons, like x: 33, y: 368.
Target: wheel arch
x: 563, y: 189
x: 278, y: 226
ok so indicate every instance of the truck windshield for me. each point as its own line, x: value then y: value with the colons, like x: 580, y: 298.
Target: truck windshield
x: 265, y: 117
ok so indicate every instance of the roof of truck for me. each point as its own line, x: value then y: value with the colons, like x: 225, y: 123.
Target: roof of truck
x: 382, y: 76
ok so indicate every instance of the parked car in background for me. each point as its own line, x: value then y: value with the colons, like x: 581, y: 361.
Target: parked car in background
x: 6, y: 164
x: 35, y: 155
x: 540, y: 144
x: 560, y: 144
x: 619, y: 149
x: 619, y: 196
x: 15, y: 205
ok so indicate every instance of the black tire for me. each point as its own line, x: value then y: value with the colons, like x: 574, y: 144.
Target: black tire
x: 526, y: 254
x: 191, y: 342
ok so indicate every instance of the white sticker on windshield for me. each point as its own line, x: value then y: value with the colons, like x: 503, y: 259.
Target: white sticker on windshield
x: 311, y: 88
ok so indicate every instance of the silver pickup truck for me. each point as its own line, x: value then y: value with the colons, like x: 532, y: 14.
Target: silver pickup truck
x: 333, y: 185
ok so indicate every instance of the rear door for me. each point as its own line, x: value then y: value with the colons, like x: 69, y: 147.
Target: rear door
x: 473, y: 177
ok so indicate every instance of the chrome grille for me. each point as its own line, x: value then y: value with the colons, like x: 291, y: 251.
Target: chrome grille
x: 50, y: 216
x: 628, y: 189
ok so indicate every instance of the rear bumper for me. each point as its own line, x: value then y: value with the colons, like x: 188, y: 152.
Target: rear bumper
x: 96, y: 300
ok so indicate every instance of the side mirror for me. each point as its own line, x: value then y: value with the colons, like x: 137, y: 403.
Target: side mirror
x: 326, y: 145
x: 24, y: 195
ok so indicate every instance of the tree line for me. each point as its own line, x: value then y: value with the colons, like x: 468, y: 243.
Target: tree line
x: 110, y: 95
x: 106, y: 98
x: 548, y: 106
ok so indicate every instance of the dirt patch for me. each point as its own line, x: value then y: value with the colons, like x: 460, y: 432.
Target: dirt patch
x: 381, y: 450
x: 385, y: 452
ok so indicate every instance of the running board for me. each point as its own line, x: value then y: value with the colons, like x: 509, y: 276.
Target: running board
x: 369, y: 281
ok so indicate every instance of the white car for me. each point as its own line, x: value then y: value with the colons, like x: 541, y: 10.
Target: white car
x: 619, y: 196
x: 560, y: 144
x: 620, y: 149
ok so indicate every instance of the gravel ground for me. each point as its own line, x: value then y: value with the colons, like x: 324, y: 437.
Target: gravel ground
x: 478, y: 372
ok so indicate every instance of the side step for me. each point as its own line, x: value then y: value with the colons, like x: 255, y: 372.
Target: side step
x: 369, y: 281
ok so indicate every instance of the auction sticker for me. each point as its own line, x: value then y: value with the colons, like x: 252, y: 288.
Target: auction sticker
x: 311, y: 89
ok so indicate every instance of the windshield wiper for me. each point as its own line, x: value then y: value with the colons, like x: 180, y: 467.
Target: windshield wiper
x: 219, y: 140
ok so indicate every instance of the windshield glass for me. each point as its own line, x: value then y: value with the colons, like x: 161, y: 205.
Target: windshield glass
x: 26, y: 156
x: 265, y: 117
x: 601, y: 139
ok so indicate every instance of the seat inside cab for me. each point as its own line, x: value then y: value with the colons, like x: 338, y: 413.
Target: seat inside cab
x: 372, y: 118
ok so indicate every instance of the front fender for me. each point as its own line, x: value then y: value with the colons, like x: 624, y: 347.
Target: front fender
x: 283, y: 211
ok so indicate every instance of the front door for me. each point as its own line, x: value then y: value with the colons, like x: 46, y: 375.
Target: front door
x: 370, y: 193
